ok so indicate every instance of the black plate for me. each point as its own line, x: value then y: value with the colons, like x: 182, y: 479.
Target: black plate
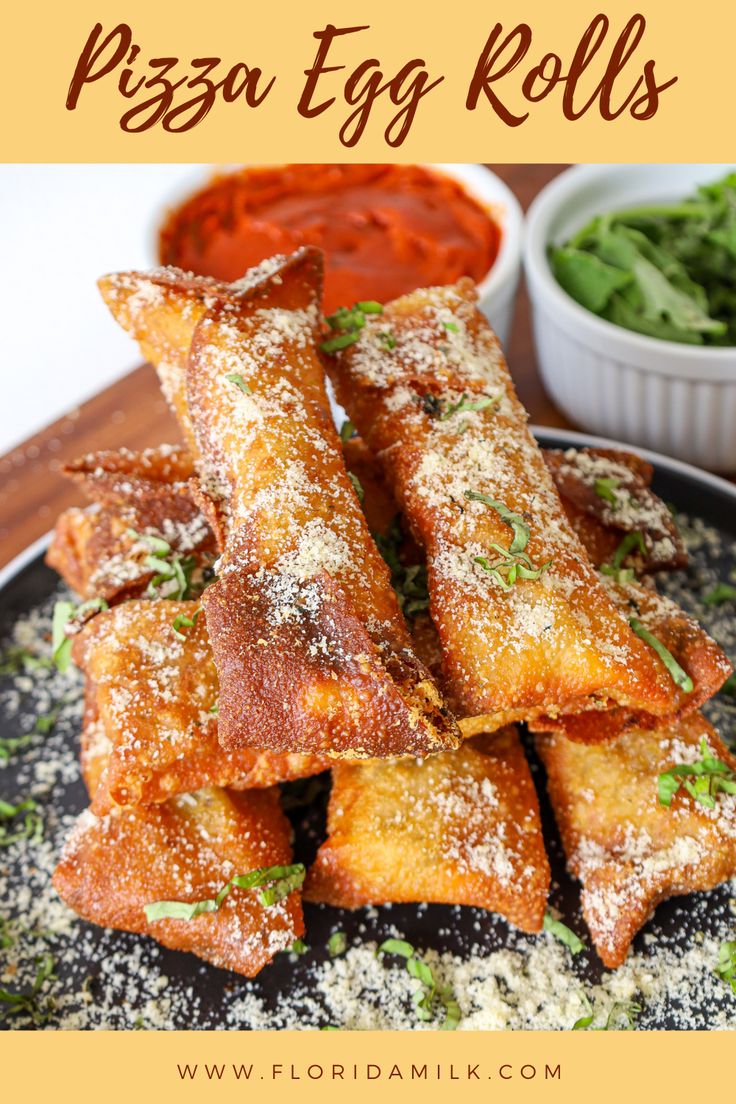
x: 439, y: 927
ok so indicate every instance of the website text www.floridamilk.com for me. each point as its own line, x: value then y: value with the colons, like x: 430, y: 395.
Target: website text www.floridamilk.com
x: 368, y: 1071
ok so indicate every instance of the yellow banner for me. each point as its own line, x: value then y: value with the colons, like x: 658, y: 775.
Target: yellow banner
x: 312, y: 1067
x: 633, y: 80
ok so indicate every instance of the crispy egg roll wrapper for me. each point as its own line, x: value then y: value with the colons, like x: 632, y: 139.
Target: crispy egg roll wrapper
x: 629, y: 851
x: 308, y: 638
x: 185, y: 849
x: 459, y: 828
x: 555, y: 643
x: 153, y: 694
x: 607, y: 494
x: 686, y: 641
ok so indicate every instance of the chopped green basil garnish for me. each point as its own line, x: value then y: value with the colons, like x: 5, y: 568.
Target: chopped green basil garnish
x: 678, y: 676
x: 237, y: 379
x: 451, y: 327
x: 409, y: 582
x: 721, y: 592
x: 726, y: 967
x: 66, y: 614
x: 629, y: 543
x: 32, y: 825
x: 347, y: 431
x: 357, y: 486
x: 172, y: 571
x: 31, y: 1003
x: 565, y: 935
x: 604, y: 488
x: 337, y: 944
x: 621, y: 1013
x: 347, y: 322
x: 431, y: 994
x: 298, y: 947
x: 508, y: 517
x: 15, y: 660
x: 279, y: 882
x: 470, y: 405
x: 184, y: 622
x: 387, y: 339
x: 703, y: 780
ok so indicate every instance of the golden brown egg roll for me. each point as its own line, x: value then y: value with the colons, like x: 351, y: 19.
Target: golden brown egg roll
x: 629, y: 851
x: 460, y: 828
x: 524, y: 620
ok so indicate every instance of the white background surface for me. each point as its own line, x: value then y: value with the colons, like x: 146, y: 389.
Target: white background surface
x: 62, y: 226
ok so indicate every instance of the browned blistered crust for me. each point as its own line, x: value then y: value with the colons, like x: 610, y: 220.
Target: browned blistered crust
x: 240, y: 367
x: 152, y: 695
x: 690, y: 645
x: 185, y: 850
x: 458, y: 828
x: 628, y: 851
x: 602, y: 524
x: 555, y: 643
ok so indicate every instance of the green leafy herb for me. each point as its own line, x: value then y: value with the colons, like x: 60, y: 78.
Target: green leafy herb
x: 41, y: 727
x: 387, y: 339
x: 279, y: 882
x: 703, y: 780
x: 357, y: 486
x: 678, y: 676
x: 451, y: 327
x: 237, y: 379
x: 409, y: 581
x: 16, y: 660
x: 67, y: 619
x: 32, y: 822
x: 329, y: 1027
x: 604, y: 488
x: 6, y: 939
x: 298, y: 947
x: 431, y: 995
x: 508, y: 517
x: 172, y: 572
x: 466, y: 404
x: 184, y: 622
x: 726, y: 967
x: 721, y: 592
x: 347, y: 322
x: 664, y: 270
x: 631, y: 542
x: 337, y: 944
x: 621, y: 1017
x: 32, y: 1003
x: 347, y: 431
x: 565, y: 935
x: 214, y: 709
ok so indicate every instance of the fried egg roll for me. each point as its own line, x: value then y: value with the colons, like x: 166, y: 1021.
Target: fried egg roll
x: 186, y: 850
x: 628, y: 850
x: 152, y: 684
x: 460, y: 828
x: 524, y: 621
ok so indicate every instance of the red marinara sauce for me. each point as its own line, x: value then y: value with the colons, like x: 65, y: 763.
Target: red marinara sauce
x: 385, y: 229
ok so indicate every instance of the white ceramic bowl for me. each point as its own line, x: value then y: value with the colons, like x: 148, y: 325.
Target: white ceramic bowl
x: 677, y: 399
x: 497, y: 291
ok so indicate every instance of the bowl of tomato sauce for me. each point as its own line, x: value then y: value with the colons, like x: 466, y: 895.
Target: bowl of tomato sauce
x: 385, y: 229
